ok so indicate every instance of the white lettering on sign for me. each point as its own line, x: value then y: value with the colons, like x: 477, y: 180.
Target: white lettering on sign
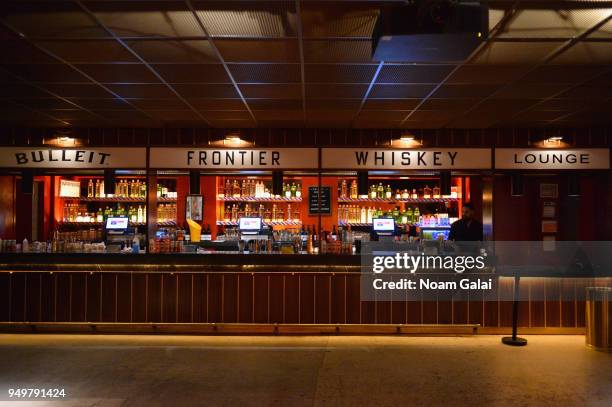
x: 277, y: 158
x: 542, y: 159
x: 460, y: 158
x: 17, y: 157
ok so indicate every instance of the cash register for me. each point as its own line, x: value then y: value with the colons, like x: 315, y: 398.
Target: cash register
x: 384, y: 228
x: 252, y: 232
x: 118, y: 233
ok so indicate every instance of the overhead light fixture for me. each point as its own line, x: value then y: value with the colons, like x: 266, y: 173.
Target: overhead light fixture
x: 553, y: 141
x: 233, y: 140
x: 406, y: 140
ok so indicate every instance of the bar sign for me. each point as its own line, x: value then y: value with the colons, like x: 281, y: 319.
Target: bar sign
x: 313, y: 200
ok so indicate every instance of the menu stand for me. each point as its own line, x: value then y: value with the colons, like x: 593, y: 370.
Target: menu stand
x: 515, y: 340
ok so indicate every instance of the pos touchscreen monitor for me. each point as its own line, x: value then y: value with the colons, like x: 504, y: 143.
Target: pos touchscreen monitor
x: 249, y: 226
x: 383, y: 226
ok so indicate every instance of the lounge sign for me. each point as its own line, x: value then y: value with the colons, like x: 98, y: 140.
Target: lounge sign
x: 78, y: 158
x: 552, y: 159
x: 234, y: 158
x: 397, y: 159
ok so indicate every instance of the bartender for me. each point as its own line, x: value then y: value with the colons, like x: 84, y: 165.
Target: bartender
x: 466, y: 229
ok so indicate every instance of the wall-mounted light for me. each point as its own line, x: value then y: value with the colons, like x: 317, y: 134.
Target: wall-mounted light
x: 406, y: 140
x: 554, y: 141
x: 63, y: 140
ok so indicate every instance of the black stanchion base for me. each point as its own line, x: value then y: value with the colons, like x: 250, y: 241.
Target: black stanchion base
x: 509, y: 340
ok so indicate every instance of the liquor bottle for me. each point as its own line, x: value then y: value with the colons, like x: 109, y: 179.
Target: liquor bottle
x: 143, y: 190
x: 334, y: 234
x: 363, y: 215
x: 398, y: 194
x: 388, y: 192
x: 243, y: 191
x: 298, y: 191
x: 236, y: 189
x: 289, y: 217
x: 405, y: 194
x: 274, y: 213
x: 309, y: 243
x: 227, y: 192
x: 396, y: 214
x: 373, y: 192
x: 416, y: 216
x: 90, y: 189
x: 139, y: 215
x: 293, y: 190
x: 410, y: 215
x: 427, y: 192
x: 414, y: 194
x: 353, y: 192
x: 380, y: 191
x: 343, y: 189
x: 436, y: 192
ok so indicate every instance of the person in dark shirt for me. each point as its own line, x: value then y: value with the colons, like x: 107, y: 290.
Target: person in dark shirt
x: 466, y: 229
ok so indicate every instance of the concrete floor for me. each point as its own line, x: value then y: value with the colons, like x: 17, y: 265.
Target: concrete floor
x: 305, y: 371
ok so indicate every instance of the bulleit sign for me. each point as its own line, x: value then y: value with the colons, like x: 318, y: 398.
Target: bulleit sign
x: 77, y: 158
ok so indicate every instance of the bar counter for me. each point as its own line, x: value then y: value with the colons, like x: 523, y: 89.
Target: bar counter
x: 248, y: 291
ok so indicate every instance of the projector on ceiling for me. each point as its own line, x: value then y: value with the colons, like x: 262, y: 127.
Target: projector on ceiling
x: 429, y: 31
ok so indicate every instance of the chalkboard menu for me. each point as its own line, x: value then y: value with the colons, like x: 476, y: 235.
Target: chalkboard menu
x: 313, y: 200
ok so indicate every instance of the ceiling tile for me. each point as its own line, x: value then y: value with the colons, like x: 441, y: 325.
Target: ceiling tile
x: 561, y: 74
x: 185, y: 73
x: 347, y: 51
x: 529, y: 91
x: 250, y: 19
x: 335, y: 91
x: 274, y: 104
x: 336, y: 20
x: 400, y: 91
x: 487, y: 74
x: 78, y: 91
x: 206, y: 91
x: 241, y: 50
x: 587, y: 53
x: 464, y: 91
x: 192, y: 51
x: 391, y: 104
x: 147, y: 19
x: 175, y: 115
x: 383, y: 114
x: 88, y: 51
x: 45, y: 103
x: 20, y: 51
x: 119, y: 73
x: 278, y: 114
x: 226, y: 115
x: 103, y: 104
x: 553, y: 23
x: 142, y: 91
x: 265, y: 73
x: 46, y: 73
x: 413, y: 73
x: 217, y: 104
x: 289, y: 91
x: 62, y: 19
x: 448, y: 104
x: 514, y: 53
x: 339, y: 73
x: 333, y: 104
x: 159, y: 104
x: 587, y: 92
x: 20, y: 90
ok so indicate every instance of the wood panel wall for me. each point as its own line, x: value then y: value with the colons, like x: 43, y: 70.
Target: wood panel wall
x: 292, y: 297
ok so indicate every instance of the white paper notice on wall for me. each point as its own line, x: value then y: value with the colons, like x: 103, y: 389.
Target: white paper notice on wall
x: 549, y: 243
